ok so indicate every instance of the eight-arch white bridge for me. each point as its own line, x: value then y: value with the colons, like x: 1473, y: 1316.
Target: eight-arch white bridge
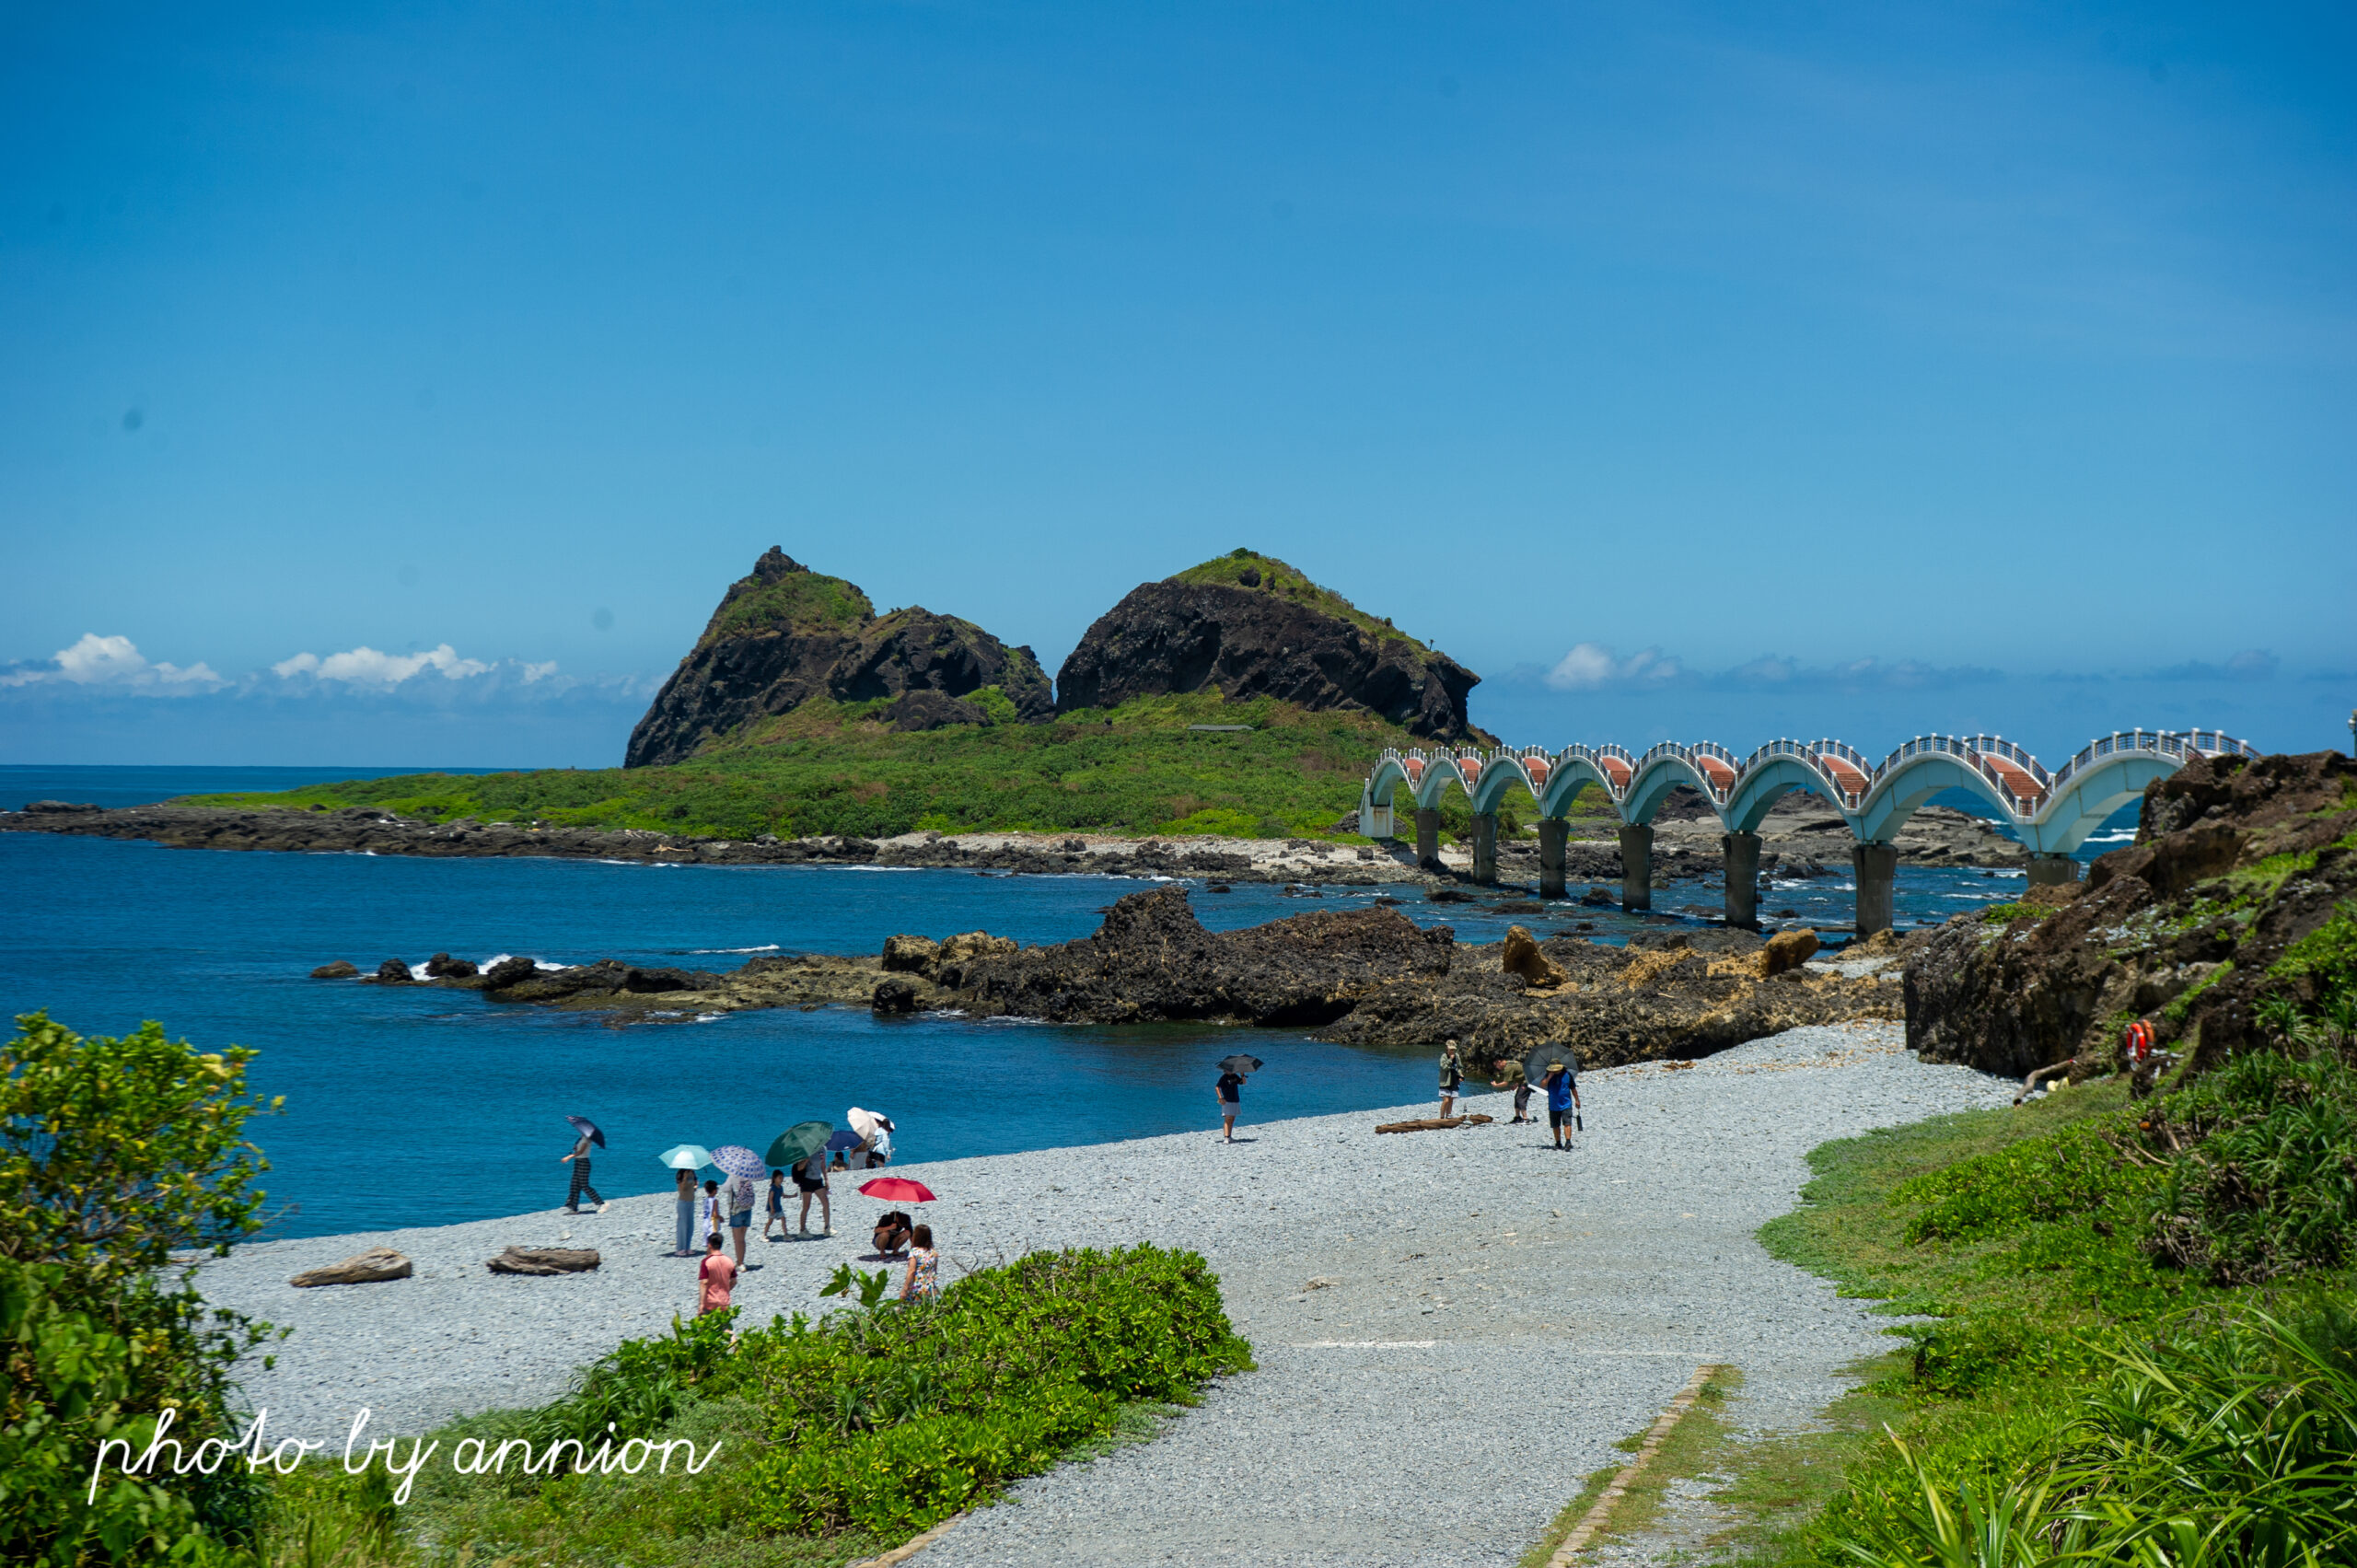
x: 2052, y: 813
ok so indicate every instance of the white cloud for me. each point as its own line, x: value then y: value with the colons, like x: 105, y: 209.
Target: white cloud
x: 1591, y: 665
x: 364, y: 665
x: 109, y: 662
x: 533, y: 672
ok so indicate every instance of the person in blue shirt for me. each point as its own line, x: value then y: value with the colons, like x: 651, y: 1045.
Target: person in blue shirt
x: 1563, y: 1100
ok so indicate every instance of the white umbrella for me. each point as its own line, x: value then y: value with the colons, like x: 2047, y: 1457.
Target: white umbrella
x: 866, y: 1123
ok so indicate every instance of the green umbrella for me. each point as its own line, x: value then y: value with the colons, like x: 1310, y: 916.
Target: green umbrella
x: 799, y: 1142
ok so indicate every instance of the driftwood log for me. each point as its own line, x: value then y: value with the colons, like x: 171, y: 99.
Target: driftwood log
x: 1433, y: 1123
x: 360, y: 1269
x: 543, y: 1261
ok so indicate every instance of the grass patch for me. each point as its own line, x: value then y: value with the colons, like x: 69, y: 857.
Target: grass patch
x: 831, y: 769
x: 838, y: 1439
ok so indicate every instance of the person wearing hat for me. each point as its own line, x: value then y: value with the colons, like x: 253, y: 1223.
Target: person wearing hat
x: 1562, y: 1098
x: 1512, y: 1076
x: 1452, y: 1074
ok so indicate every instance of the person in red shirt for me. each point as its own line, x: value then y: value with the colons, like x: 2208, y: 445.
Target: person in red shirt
x: 715, y: 1277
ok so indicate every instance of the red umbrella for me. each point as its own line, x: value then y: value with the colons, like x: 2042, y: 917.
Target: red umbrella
x: 898, y: 1190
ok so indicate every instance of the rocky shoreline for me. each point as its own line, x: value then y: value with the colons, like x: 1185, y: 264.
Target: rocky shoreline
x: 1363, y: 977
x: 1801, y: 838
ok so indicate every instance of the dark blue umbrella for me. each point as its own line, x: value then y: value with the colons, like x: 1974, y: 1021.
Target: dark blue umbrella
x: 846, y: 1139
x: 587, y: 1128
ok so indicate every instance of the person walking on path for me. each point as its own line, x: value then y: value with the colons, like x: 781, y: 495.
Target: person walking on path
x: 715, y: 1277
x: 740, y: 1212
x: 1452, y: 1074
x: 1510, y: 1076
x: 579, y: 1159
x: 922, y: 1281
x: 713, y: 1211
x: 810, y: 1176
x: 684, y: 1243
x: 1231, y: 1102
x: 1563, y: 1100
x: 776, y: 1214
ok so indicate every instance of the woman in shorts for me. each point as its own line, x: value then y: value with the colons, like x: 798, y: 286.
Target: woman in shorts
x: 810, y: 1176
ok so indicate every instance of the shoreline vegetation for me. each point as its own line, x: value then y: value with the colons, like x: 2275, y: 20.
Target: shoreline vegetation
x: 2134, y: 1343
x: 838, y: 769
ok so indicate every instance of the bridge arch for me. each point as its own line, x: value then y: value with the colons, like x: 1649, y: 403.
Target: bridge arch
x: 1766, y: 782
x: 1665, y: 767
x: 1572, y: 772
x: 1914, y: 776
x: 2084, y: 797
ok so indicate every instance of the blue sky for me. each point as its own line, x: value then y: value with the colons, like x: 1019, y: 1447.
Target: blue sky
x: 1705, y: 372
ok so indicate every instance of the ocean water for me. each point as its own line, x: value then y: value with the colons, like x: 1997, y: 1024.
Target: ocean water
x: 423, y: 1106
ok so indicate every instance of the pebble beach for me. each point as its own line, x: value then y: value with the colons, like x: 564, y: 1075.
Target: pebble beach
x: 1452, y: 1328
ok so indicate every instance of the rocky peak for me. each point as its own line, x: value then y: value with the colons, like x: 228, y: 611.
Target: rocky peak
x: 784, y: 636
x: 1248, y: 625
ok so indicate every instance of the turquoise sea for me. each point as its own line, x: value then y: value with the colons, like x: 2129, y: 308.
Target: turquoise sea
x: 413, y: 1107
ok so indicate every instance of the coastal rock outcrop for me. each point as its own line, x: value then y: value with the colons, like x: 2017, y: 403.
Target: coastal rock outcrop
x: 2240, y: 875
x: 1247, y: 626
x: 1153, y: 961
x: 784, y: 635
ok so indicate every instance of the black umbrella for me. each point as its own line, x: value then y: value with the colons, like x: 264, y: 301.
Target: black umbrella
x: 1535, y: 1071
x: 1239, y: 1063
x: 587, y: 1128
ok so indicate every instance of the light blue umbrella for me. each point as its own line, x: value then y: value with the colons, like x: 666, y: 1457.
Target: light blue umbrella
x: 687, y: 1156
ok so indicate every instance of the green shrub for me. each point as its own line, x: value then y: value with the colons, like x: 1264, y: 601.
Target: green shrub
x: 116, y: 1154
x: 2075, y: 1171
x: 2270, y: 1188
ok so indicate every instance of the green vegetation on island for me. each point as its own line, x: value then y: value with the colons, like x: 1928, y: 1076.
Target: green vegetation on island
x: 829, y: 768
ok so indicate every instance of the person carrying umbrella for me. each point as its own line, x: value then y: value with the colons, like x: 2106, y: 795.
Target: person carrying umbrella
x: 685, y: 1160
x: 1233, y: 1071
x: 1562, y: 1098
x: 579, y: 1161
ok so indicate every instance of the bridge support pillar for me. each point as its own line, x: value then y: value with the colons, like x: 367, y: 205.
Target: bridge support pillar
x: 1485, y: 848
x: 1742, y: 852
x: 1637, y: 867
x: 1552, y: 832
x: 1428, y: 837
x: 2053, y: 870
x: 1875, y: 863
x: 1375, y: 822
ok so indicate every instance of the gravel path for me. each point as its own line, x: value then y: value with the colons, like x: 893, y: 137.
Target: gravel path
x: 1492, y: 1315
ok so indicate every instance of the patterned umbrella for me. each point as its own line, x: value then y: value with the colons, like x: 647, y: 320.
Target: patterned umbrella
x: 738, y: 1160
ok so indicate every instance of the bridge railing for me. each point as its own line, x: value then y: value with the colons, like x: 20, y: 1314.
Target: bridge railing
x: 1812, y: 752
x: 2181, y: 746
x: 1975, y: 753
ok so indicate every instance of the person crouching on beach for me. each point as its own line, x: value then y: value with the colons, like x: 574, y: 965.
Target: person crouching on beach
x: 579, y: 1161
x: 1231, y: 1102
x: 776, y: 1212
x: 892, y: 1233
x: 811, y: 1177
x: 715, y: 1277
x: 1452, y: 1074
x: 683, y: 1244
x: 922, y: 1281
x: 1510, y: 1076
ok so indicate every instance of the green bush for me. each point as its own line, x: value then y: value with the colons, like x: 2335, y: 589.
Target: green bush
x: 2075, y: 1171
x: 116, y: 1154
x: 865, y: 1427
x: 2270, y: 1188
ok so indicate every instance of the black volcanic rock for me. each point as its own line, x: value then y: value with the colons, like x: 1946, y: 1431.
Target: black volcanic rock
x: 1153, y: 961
x: 2182, y: 927
x: 1246, y: 625
x: 784, y: 635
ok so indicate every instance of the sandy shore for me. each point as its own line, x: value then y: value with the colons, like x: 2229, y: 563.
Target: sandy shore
x: 1452, y: 1328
